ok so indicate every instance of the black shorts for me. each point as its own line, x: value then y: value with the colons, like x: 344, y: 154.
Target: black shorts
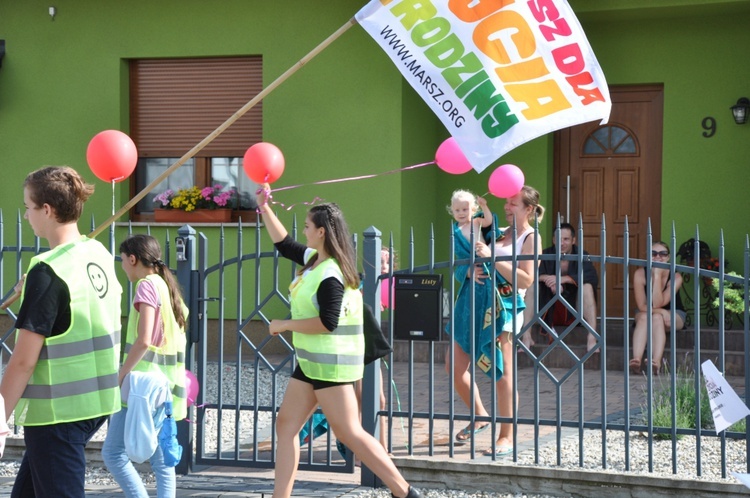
x: 316, y: 384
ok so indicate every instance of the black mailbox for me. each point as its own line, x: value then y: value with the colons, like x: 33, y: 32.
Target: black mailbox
x: 418, y: 307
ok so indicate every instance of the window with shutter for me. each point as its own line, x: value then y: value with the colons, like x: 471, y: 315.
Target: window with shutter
x: 175, y: 104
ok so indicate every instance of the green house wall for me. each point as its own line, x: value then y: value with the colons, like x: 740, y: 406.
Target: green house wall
x: 348, y: 112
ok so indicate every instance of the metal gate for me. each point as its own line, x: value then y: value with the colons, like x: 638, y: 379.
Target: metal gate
x: 242, y: 370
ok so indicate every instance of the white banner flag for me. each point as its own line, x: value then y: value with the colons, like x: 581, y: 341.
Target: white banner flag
x: 743, y: 478
x: 726, y: 407
x: 497, y: 74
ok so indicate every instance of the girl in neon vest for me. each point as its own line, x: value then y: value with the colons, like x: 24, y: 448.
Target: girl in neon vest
x: 327, y: 335
x: 155, y: 342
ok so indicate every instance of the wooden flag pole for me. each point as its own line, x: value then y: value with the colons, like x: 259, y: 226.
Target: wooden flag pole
x: 218, y: 131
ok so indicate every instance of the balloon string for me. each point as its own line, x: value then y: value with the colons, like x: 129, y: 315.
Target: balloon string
x: 363, y: 177
x: 289, y: 207
x: 336, y: 180
x: 196, y: 406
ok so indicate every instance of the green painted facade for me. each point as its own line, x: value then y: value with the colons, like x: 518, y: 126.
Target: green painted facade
x: 348, y: 112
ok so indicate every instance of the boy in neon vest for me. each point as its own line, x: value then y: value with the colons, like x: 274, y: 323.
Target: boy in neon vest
x: 62, y: 377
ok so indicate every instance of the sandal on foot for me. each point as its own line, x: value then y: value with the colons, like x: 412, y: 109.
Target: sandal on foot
x: 500, y: 451
x: 635, y: 366
x: 465, y: 434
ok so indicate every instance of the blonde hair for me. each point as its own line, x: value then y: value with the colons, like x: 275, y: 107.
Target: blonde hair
x: 392, y: 258
x: 463, y: 196
x: 530, y: 197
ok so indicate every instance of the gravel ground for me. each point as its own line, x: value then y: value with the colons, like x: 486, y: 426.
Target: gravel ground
x: 592, y: 444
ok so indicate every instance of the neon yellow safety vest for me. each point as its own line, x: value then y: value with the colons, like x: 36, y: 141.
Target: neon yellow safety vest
x: 169, y: 358
x: 338, y: 355
x: 75, y: 377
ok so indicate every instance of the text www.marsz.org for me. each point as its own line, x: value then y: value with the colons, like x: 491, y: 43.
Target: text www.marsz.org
x: 432, y: 88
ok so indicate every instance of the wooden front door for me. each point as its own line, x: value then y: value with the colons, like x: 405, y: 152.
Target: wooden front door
x: 615, y: 173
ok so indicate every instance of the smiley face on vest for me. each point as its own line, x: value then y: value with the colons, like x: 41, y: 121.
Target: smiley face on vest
x: 98, y: 279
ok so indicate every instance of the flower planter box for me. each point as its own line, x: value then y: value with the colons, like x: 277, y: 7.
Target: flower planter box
x: 197, y: 216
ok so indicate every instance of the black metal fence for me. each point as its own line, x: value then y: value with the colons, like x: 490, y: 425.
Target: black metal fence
x: 235, y: 283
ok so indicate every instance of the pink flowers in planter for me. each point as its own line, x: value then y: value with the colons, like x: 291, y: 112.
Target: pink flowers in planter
x: 190, y: 199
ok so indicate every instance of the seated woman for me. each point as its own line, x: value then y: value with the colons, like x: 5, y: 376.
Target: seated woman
x: 660, y: 314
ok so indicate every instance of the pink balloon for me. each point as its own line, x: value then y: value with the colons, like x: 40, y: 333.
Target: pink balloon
x: 263, y: 163
x: 451, y: 159
x: 385, y: 293
x: 111, y: 155
x: 191, y: 387
x: 506, y: 181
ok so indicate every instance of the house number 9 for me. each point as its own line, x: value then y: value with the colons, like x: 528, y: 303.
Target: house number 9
x: 709, y: 125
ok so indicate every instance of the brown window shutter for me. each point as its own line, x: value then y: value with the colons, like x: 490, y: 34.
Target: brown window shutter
x: 176, y: 103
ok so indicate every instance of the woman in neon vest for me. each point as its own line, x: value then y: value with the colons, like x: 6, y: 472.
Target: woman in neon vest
x: 62, y: 376
x: 327, y: 335
x: 155, y: 342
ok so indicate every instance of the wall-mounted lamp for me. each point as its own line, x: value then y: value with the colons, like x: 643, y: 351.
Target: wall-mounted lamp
x: 52, y: 12
x: 740, y: 110
x: 2, y: 51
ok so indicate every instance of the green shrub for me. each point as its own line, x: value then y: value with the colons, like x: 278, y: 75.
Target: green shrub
x: 685, y: 402
x: 734, y: 300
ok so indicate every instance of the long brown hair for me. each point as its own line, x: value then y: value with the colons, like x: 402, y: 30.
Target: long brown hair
x: 62, y: 188
x: 338, y: 242
x: 147, y: 250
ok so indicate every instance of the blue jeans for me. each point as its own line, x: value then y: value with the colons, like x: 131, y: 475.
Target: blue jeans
x: 54, y: 464
x: 121, y: 468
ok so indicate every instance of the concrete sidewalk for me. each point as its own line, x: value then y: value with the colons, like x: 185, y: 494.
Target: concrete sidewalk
x: 233, y: 482
x: 559, y: 392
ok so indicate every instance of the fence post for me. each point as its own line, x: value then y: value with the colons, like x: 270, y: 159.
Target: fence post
x: 370, y: 383
x: 187, y: 273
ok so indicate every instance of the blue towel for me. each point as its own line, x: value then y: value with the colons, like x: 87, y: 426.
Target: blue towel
x: 319, y: 427
x: 485, y: 342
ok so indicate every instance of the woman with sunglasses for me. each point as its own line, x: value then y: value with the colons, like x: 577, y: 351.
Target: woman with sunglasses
x: 661, y: 304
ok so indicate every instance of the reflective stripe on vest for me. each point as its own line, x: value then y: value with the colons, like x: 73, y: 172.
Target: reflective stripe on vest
x: 328, y: 358
x: 71, y: 388
x: 152, y: 356
x: 75, y: 377
x: 169, y: 358
x: 338, y: 355
x: 56, y: 351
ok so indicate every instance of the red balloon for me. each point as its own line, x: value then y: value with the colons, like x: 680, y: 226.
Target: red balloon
x: 111, y: 155
x: 451, y: 159
x: 191, y: 387
x: 263, y: 163
x: 506, y: 181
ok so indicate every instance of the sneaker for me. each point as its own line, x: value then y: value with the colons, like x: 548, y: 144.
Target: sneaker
x: 413, y: 493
